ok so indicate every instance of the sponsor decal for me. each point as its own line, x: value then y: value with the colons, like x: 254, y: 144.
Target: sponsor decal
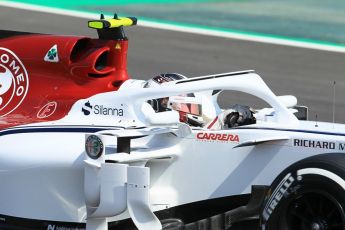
x: 51, y: 227
x: 319, y: 144
x: 14, y: 81
x: 94, y: 146
x: 88, y: 109
x: 217, y: 137
x: 277, y: 195
x: 54, y: 227
x: 52, y: 54
x: 341, y: 146
x: 47, y: 110
x: 167, y: 77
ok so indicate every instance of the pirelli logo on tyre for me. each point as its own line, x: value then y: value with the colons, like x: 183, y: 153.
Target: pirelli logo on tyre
x: 14, y: 81
x: 277, y: 195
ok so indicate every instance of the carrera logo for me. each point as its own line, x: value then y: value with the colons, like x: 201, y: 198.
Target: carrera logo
x: 88, y: 109
x: 14, y: 81
x: 218, y: 137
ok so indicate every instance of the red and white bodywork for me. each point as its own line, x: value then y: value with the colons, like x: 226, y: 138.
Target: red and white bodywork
x: 35, y: 89
x: 148, y: 163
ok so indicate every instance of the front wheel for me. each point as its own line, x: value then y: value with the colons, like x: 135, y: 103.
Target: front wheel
x: 309, y: 195
x: 314, y: 210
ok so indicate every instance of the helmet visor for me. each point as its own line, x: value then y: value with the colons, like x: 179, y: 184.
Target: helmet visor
x: 187, y: 105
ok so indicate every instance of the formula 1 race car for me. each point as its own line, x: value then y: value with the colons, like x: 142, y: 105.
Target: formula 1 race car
x: 85, y: 147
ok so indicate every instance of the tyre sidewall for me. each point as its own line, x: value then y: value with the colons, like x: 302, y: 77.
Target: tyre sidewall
x: 290, y: 185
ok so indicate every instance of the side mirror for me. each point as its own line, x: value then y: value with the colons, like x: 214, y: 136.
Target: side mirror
x: 302, y: 112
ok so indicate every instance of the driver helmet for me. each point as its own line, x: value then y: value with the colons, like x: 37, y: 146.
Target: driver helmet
x: 188, y: 106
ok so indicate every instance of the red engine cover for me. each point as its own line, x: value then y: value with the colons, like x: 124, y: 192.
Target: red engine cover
x: 42, y: 76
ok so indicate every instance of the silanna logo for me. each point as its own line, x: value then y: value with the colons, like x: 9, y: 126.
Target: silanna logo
x: 14, y: 82
x: 88, y: 109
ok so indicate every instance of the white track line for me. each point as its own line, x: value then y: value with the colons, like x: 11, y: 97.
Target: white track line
x: 51, y: 10
x: 186, y: 29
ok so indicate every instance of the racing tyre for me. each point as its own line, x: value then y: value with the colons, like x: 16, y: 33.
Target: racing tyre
x: 308, y: 195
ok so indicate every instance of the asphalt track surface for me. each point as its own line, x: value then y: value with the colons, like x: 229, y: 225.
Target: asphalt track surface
x: 308, y: 74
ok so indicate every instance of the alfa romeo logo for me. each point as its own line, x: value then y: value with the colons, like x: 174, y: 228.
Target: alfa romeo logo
x: 14, y: 82
x: 52, y: 54
x: 94, y: 146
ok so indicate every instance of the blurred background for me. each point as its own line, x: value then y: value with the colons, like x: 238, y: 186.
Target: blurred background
x: 318, y: 20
